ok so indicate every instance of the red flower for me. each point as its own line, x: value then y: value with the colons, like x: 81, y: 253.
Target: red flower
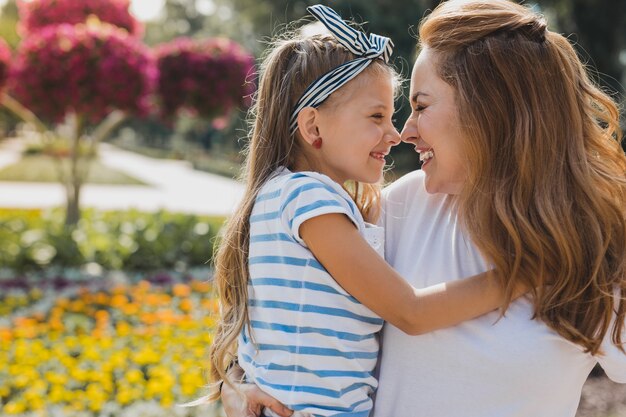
x: 87, y: 69
x: 38, y: 14
x: 209, y: 77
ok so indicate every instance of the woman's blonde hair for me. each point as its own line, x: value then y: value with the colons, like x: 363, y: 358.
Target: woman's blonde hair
x: 288, y: 68
x: 545, y: 198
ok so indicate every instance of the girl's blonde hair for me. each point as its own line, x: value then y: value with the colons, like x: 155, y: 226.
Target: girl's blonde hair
x: 545, y: 198
x: 288, y: 69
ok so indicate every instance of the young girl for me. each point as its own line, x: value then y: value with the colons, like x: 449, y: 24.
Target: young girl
x: 302, y: 284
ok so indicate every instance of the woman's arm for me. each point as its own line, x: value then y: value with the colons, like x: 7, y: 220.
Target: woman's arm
x: 247, y: 400
x: 337, y: 244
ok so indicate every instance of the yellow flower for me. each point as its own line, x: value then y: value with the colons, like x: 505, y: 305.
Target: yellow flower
x: 57, y: 394
x: 123, y: 329
x: 191, y: 382
x: 59, y: 378
x: 167, y: 400
x: 134, y: 376
x: 97, y: 396
x: 146, y: 356
x: 14, y: 407
x: 79, y: 374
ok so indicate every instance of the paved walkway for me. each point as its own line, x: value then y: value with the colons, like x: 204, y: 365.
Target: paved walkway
x: 173, y: 185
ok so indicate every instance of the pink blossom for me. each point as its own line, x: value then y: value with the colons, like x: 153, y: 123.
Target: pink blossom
x: 87, y: 69
x: 38, y: 14
x: 208, y: 77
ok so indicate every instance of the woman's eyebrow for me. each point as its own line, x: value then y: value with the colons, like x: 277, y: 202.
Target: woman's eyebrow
x: 416, y: 94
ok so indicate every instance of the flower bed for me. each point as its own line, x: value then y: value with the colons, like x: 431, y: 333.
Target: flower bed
x: 111, y: 346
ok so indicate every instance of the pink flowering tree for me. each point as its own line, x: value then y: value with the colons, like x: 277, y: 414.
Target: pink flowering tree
x: 88, y: 70
x: 81, y: 63
x: 89, y: 76
x: 208, y: 77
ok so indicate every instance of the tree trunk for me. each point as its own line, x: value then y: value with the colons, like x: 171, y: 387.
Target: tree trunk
x: 74, y: 180
x: 72, y: 214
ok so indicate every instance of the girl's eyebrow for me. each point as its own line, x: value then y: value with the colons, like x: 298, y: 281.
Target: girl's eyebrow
x: 378, y: 106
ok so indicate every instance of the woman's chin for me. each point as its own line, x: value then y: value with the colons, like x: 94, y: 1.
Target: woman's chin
x: 438, y: 187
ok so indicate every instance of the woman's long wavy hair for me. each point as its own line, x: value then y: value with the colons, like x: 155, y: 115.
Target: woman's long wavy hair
x: 545, y: 199
x: 289, y: 67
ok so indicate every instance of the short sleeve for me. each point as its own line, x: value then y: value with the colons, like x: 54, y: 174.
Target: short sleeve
x: 304, y: 198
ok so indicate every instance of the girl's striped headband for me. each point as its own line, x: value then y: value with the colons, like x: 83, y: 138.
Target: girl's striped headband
x: 366, y: 48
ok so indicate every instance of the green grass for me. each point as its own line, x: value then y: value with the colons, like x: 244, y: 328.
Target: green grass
x: 41, y: 168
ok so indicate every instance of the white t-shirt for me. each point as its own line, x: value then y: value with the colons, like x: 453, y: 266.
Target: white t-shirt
x: 514, y: 367
x: 314, y: 346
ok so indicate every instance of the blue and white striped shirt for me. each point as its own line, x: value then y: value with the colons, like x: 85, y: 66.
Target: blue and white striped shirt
x: 313, y: 346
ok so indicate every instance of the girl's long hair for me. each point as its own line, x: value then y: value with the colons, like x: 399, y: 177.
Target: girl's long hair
x: 545, y: 199
x: 287, y: 69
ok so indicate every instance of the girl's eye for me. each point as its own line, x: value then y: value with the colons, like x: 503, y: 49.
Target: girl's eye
x: 377, y: 116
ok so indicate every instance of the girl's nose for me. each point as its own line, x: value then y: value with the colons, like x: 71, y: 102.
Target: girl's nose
x: 392, y: 137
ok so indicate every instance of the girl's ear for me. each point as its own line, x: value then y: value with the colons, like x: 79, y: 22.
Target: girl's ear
x: 308, y: 120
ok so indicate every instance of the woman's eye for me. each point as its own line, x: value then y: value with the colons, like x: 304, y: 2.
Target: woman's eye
x: 419, y: 108
x: 378, y: 116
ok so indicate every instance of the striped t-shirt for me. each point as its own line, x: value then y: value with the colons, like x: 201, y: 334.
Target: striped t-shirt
x: 313, y: 346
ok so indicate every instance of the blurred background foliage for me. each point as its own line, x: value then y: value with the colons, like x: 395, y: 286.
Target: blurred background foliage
x: 34, y: 240
x: 597, y: 28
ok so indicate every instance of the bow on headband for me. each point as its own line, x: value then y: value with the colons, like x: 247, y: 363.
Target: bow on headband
x: 366, y: 48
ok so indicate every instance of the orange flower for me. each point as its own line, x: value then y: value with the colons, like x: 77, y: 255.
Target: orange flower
x: 201, y: 286
x: 6, y: 335
x: 102, y: 315
x: 142, y: 286
x: 101, y: 298
x: 181, y: 290
x: 130, y: 309
x: 119, y: 300
x: 186, y: 305
x: 148, y: 318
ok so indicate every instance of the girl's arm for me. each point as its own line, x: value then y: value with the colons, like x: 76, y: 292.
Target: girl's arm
x: 337, y: 244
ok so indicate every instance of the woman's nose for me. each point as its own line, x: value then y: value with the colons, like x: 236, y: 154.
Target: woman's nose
x: 409, y: 131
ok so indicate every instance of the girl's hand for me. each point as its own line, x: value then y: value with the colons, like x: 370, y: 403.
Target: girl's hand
x: 249, y: 401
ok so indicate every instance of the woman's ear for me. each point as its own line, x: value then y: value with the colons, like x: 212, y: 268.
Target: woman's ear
x: 308, y: 120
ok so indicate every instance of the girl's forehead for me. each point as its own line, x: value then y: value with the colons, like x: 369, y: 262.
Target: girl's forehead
x: 367, y: 85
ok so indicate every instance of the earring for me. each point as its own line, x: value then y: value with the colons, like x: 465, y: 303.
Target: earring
x: 317, y: 143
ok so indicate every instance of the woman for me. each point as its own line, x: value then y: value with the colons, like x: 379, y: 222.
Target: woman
x: 523, y: 172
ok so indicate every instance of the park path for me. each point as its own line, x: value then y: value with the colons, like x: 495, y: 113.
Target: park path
x: 173, y: 186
